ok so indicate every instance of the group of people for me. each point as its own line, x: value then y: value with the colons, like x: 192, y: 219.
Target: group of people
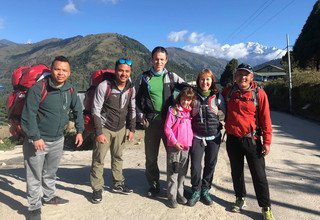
x: 189, y: 126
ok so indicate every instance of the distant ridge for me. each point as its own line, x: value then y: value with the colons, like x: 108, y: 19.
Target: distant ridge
x: 98, y: 51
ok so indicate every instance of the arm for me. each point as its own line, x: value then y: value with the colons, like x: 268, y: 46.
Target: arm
x: 77, y: 112
x: 131, y: 117
x: 29, y: 117
x: 169, y: 122
x: 265, y: 121
x: 97, y: 105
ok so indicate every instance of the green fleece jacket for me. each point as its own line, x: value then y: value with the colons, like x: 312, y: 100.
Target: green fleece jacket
x: 47, y: 119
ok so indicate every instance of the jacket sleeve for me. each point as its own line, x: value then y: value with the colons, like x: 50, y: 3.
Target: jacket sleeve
x: 29, y: 122
x: 169, y: 122
x: 131, y: 117
x: 139, y: 99
x: 98, y: 100
x: 264, y: 117
x: 77, y: 112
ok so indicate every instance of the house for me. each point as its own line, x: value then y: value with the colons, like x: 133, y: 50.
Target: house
x: 269, y: 72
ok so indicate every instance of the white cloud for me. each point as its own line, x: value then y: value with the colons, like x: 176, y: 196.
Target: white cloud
x: 177, y: 36
x: 2, y: 23
x: 29, y: 41
x: 70, y: 8
x: 206, y: 44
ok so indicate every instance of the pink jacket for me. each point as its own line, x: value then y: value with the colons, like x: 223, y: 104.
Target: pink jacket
x: 177, y: 127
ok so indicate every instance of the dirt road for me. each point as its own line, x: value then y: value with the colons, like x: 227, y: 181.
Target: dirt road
x: 293, y: 169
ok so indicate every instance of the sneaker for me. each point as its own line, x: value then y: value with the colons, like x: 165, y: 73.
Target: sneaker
x: 172, y: 203
x: 34, y: 215
x: 239, y: 204
x: 123, y: 189
x: 96, y: 196
x: 195, y: 197
x: 267, y: 214
x: 182, y: 200
x: 56, y: 201
x: 206, y: 197
x: 153, y: 191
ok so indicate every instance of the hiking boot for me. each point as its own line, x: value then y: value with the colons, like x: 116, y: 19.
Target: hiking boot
x: 267, y: 214
x: 153, y: 191
x: 172, y: 203
x: 34, y: 215
x: 195, y: 197
x: 96, y: 196
x: 56, y: 201
x: 182, y: 200
x: 239, y: 204
x: 123, y: 189
x: 206, y: 197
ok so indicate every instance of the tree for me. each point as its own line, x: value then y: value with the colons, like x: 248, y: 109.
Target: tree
x: 227, y: 75
x: 306, y: 50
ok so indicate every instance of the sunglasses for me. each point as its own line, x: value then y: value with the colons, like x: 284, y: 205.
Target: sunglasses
x: 125, y: 61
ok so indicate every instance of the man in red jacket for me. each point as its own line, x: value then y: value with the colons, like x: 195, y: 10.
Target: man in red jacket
x: 247, y: 120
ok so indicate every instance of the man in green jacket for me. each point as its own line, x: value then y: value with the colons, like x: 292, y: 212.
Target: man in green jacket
x: 43, y: 122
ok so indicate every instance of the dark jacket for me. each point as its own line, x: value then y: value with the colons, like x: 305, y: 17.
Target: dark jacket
x: 116, y: 109
x: 47, y: 119
x: 145, y: 106
x: 205, y: 119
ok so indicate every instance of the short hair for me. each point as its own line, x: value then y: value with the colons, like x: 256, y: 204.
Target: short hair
x: 159, y: 49
x: 61, y: 59
x: 213, y: 86
x: 123, y: 61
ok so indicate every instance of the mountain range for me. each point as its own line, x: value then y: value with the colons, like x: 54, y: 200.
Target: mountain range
x: 98, y: 51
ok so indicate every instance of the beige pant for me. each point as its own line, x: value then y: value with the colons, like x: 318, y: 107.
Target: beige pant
x: 116, y: 145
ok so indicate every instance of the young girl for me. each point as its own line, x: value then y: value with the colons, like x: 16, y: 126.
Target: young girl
x: 207, y: 136
x: 178, y: 130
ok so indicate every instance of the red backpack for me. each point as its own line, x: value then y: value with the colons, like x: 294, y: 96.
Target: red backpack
x: 95, y: 79
x: 22, y: 79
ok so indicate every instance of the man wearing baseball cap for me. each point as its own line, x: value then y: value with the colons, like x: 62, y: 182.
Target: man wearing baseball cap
x: 247, y: 122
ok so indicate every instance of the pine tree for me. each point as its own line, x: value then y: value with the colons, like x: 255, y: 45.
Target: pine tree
x: 227, y: 75
x: 306, y: 51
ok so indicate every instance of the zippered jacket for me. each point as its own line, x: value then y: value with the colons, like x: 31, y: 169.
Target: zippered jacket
x: 144, y: 103
x: 240, y: 119
x: 115, y: 110
x: 177, y: 127
x: 47, y: 119
x: 205, y: 119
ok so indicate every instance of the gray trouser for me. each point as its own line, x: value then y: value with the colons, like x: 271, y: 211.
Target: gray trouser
x: 41, y: 168
x: 177, y: 167
x: 116, y: 144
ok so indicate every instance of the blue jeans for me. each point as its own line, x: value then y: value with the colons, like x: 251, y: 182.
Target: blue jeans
x: 41, y: 168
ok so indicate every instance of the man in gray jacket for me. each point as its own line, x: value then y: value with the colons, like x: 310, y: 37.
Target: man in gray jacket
x: 113, y: 111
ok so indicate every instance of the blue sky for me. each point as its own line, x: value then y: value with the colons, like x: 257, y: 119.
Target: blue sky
x: 218, y: 28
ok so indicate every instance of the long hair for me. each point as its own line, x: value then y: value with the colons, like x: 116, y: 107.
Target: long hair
x: 187, y: 92
x: 209, y: 73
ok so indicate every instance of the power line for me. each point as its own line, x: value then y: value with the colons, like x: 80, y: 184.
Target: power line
x: 272, y: 17
x: 250, y: 19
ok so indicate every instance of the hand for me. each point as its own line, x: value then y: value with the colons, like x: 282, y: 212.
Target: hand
x: 130, y: 136
x: 265, y: 150
x: 79, y: 140
x: 39, y: 144
x: 179, y: 146
x: 101, y: 139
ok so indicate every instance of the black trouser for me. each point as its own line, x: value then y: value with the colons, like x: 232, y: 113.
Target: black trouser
x: 153, y: 135
x: 210, y: 160
x: 237, y: 148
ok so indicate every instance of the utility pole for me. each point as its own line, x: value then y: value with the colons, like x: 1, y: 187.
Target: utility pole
x: 290, y: 79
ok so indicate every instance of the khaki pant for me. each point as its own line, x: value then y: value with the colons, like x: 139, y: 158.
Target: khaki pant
x: 116, y: 145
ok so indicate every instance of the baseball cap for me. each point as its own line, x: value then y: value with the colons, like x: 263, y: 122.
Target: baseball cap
x: 246, y: 67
